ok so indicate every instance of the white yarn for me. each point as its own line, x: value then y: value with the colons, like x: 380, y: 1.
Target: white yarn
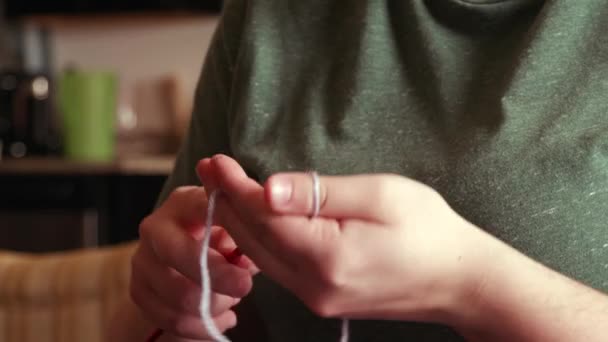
x: 345, y: 331
x: 205, y: 305
x: 316, y: 208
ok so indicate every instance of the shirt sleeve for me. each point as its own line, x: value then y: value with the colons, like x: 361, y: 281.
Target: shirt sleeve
x: 208, y: 133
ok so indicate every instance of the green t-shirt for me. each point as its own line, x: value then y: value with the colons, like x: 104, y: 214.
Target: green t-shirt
x: 499, y: 105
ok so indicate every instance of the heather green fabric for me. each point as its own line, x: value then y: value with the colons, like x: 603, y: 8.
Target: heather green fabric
x: 499, y: 105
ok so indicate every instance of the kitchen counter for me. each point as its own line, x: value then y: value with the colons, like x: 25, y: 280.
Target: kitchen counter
x: 145, y: 165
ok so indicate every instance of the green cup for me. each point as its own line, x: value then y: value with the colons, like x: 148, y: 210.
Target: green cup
x: 87, y: 101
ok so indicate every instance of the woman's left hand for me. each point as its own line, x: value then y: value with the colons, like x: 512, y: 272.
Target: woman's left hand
x: 382, y: 247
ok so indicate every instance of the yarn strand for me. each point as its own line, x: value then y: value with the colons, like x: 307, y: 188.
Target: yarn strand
x: 205, y: 304
x: 345, y: 331
x: 316, y: 209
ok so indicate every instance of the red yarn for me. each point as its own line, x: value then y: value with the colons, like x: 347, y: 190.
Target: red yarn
x: 234, y: 257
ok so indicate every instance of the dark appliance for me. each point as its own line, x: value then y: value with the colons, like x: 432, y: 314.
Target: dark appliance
x: 27, y: 122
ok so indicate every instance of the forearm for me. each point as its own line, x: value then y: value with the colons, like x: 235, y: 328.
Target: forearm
x: 522, y: 300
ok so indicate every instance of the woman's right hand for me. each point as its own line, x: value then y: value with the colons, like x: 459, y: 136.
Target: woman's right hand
x: 166, y: 274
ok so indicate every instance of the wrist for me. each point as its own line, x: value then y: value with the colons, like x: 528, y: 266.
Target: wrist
x: 483, y: 263
x: 495, y: 297
x: 453, y: 296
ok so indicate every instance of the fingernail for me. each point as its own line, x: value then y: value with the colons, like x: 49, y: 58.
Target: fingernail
x: 281, y: 190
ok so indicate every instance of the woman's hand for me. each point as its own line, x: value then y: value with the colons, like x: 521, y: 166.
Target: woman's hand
x: 165, y: 281
x: 383, y: 246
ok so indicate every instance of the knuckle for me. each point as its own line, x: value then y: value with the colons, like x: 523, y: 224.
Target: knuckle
x: 323, y: 305
x: 332, y: 276
x: 333, y: 281
x: 385, y: 194
x: 384, y: 189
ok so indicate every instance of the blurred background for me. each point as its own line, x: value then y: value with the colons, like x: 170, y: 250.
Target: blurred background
x: 95, y: 96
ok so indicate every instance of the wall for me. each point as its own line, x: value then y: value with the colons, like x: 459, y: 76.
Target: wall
x: 158, y: 60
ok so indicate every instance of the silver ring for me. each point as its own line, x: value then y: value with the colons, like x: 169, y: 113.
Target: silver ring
x: 316, y: 193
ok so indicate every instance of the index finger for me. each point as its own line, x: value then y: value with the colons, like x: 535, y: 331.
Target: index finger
x: 280, y: 234
x: 187, y: 205
x: 173, y: 234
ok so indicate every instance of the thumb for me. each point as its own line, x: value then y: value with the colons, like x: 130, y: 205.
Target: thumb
x: 365, y: 197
